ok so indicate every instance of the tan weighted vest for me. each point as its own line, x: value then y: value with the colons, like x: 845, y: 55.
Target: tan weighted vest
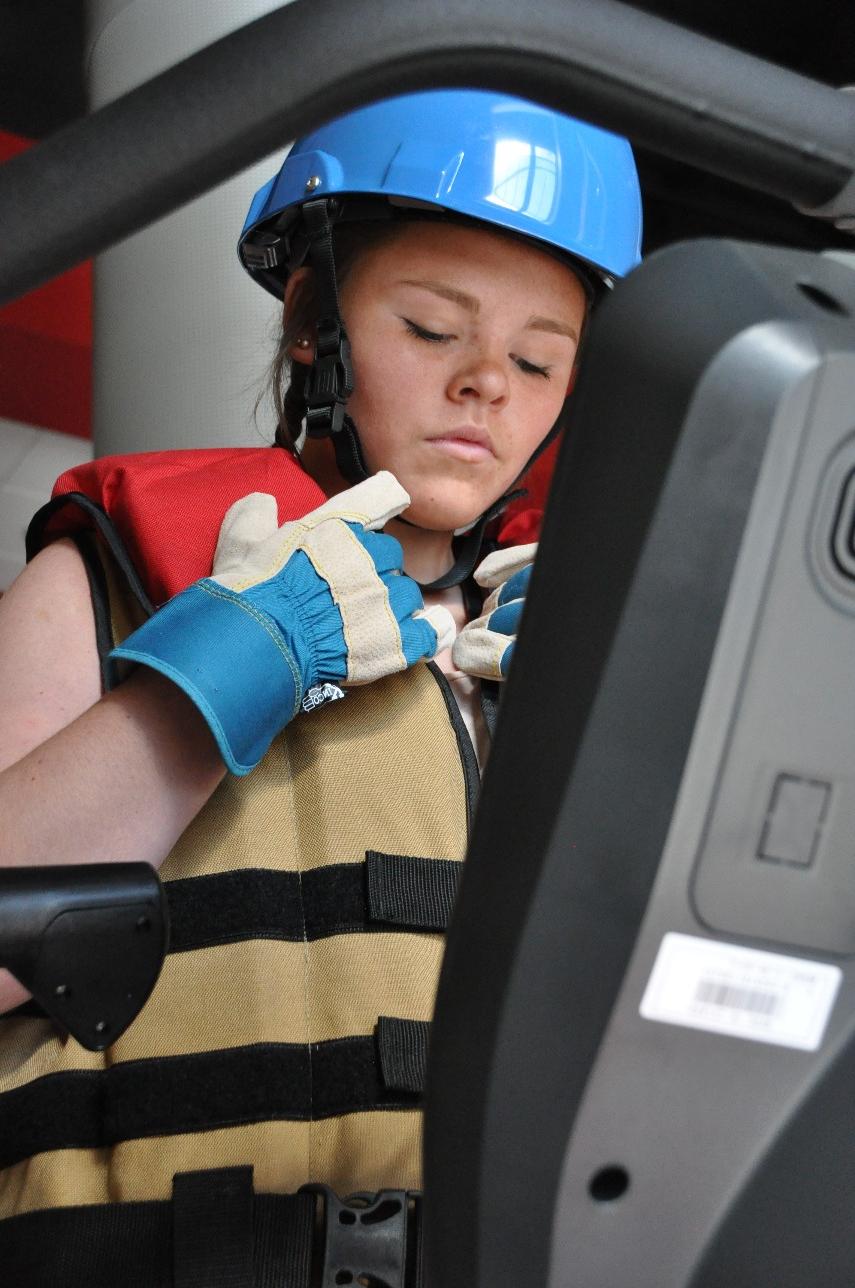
x: 254, y: 1047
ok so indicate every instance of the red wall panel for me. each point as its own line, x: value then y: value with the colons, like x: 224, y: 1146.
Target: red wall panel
x: 46, y: 346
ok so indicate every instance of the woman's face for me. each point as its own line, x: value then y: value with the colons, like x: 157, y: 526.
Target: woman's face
x: 463, y: 344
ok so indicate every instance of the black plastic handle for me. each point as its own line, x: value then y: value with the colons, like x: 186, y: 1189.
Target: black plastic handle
x: 87, y: 940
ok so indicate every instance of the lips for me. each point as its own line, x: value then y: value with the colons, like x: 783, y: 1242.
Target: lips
x: 468, y: 442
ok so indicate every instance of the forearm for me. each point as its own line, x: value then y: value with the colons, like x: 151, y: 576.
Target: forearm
x: 120, y: 783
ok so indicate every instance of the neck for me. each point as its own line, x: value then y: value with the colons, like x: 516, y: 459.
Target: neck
x: 427, y: 554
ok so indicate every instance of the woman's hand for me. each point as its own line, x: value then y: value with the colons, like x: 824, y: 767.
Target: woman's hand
x: 485, y: 646
x: 322, y: 599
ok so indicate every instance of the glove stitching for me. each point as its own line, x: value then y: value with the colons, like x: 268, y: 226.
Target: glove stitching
x: 297, y: 529
x: 252, y: 611
x: 279, y: 559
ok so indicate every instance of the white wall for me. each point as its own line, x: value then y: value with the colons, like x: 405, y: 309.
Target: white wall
x: 182, y: 337
x: 30, y: 461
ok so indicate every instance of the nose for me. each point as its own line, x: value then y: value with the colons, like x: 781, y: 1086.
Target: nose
x: 480, y: 376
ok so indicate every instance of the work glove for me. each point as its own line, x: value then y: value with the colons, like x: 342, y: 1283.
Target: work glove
x: 485, y: 646
x: 320, y: 601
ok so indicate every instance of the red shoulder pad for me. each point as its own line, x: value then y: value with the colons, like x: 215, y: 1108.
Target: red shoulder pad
x: 168, y: 506
x: 521, y: 522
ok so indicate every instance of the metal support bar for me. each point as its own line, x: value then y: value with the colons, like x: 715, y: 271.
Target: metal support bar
x: 178, y: 135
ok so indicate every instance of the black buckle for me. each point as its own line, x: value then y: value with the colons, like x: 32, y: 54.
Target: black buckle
x: 369, y: 1239
x: 329, y: 385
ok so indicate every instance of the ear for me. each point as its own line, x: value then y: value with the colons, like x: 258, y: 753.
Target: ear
x: 294, y: 289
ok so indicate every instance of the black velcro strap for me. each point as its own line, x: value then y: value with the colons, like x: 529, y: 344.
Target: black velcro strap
x: 407, y: 891
x: 170, y: 1095
x: 130, y: 1245
x: 212, y: 1230
x: 258, y: 903
x: 388, y: 890
x: 402, y: 1047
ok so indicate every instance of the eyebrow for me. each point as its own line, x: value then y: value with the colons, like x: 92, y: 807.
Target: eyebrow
x: 465, y: 301
x: 551, y: 324
x: 471, y: 305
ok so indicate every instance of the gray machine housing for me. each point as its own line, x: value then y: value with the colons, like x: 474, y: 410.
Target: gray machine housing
x: 691, y: 771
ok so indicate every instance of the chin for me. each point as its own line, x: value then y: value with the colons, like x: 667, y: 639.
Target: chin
x: 447, y: 515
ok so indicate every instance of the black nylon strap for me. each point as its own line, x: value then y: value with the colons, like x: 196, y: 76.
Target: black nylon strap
x: 318, y: 226
x: 467, y: 547
x: 100, y: 597
x: 171, y: 1095
x: 284, y: 1237
x: 403, y: 1051
x: 407, y: 891
x: 212, y: 1229
x: 330, y: 379
x: 348, y: 452
x: 388, y: 890
x: 130, y: 1245
x: 103, y: 524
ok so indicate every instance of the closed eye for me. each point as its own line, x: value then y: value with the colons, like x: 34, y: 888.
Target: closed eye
x: 435, y: 337
x: 440, y: 337
x: 530, y: 369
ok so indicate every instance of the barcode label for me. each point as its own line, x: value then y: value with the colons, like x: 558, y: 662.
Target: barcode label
x: 743, y: 992
x: 737, y: 999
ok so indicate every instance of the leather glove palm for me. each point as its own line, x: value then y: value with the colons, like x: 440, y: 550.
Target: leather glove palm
x: 485, y: 646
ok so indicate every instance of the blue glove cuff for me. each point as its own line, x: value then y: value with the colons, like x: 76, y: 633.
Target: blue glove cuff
x: 195, y: 640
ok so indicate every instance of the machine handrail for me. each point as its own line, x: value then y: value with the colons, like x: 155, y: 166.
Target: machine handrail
x: 141, y: 156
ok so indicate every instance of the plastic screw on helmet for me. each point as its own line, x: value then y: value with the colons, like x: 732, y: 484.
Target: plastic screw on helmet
x: 508, y: 163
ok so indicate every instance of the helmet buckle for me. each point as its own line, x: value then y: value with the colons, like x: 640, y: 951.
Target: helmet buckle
x: 329, y: 383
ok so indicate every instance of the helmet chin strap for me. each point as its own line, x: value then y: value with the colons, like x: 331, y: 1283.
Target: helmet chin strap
x: 467, y: 547
x: 330, y: 383
x: 330, y: 379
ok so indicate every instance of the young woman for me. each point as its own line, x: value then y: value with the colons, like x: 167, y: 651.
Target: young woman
x: 437, y: 255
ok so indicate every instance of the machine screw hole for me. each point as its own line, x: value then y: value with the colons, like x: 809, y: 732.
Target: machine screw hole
x: 347, y: 1218
x: 609, y: 1183
x: 822, y: 299
x: 344, y: 1277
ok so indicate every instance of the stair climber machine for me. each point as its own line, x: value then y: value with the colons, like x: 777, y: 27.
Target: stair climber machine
x: 643, y: 1055
x: 644, y: 1048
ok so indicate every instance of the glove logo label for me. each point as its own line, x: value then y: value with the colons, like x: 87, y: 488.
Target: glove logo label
x: 319, y: 694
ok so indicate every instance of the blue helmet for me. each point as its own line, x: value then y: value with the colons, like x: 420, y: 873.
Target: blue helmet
x: 504, y: 161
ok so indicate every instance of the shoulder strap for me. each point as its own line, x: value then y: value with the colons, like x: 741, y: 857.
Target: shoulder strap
x: 119, y: 599
x: 102, y: 523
